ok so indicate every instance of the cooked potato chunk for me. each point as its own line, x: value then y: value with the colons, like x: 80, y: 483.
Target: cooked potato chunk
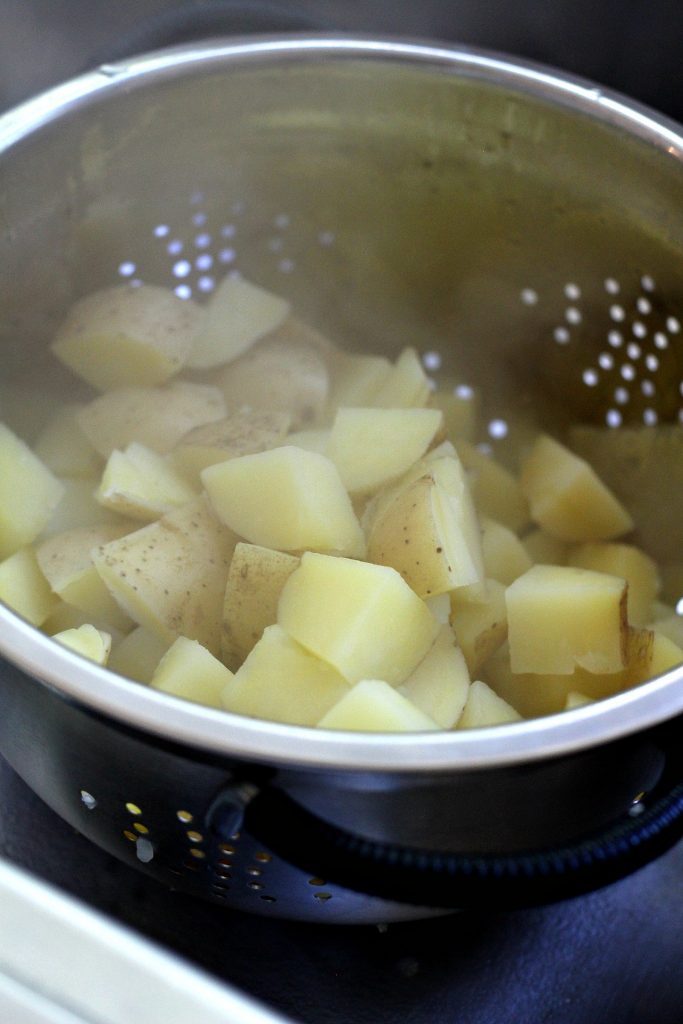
x: 141, y: 484
x: 126, y: 335
x: 374, y: 706
x: 505, y: 557
x: 237, y: 315
x: 496, y: 492
x: 242, y: 433
x: 188, y: 670
x: 87, y: 641
x: 479, y: 622
x: 357, y: 379
x: 63, y: 447
x: 137, y: 654
x: 29, y: 493
x: 627, y: 561
x: 485, y: 708
x: 24, y: 588
x: 576, y: 700
x: 439, y: 684
x: 406, y: 386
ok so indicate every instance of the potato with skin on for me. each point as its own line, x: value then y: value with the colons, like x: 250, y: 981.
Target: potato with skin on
x: 479, y: 623
x: 87, y: 641
x: 485, y: 708
x: 137, y: 655
x: 562, y: 616
x: 189, y: 671
x: 374, y: 706
x: 63, y: 447
x: 255, y: 581
x: 439, y: 684
x: 157, y: 417
x: 238, y: 314
x: 363, y: 619
x: 496, y: 491
x: 567, y: 498
x: 141, y: 484
x: 170, y: 576
x: 241, y: 433
x: 631, y: 564
x: 24, y: 588
x: 285, y: 498
x: 29, y: 493
x: 128, y: 335
x: 283, y: 682
x: 505, y: 557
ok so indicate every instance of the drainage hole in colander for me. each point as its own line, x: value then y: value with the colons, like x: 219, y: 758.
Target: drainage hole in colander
x: 262, y: 856
x: 197, y: 854
x: 88, y: 799
x: 130, y: 835
x: 195, y: 837
x: 185, y: 816
x: 322, y: 896
x: 316, y: 881
x: 142, y: 829
x: 227, y: 849
x: 133, y: 809
x: 254, y: 885
x: 255, y: 872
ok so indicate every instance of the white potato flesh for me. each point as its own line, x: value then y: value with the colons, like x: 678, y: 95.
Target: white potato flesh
x: 479, y: 622
x: 128, y: 335
x: 439, y: 684
x: 631, y: 564
x: 495, y: 490
x: 29, y: 493
x: 440, y: 607
x: 485, y: 708
x: 63, y: 447
x: 374, y: 706
x: 87, y: 641
x: 285, y: 498
x: 141, y: 484
x: 363, y: 619
x: 137, y: 655
x: 241, y: 433
x: 237, y: 314
x: 505, y: 557
x: 188, y: 670
x: 407, y: 385
x: 24, y: 588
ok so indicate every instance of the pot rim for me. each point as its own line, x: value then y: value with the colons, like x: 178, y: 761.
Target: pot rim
x: 223, y: 733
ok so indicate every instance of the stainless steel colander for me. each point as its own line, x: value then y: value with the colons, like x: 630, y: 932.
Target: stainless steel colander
x: 508, y: 222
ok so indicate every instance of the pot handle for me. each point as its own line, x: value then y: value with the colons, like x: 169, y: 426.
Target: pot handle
x: 453, y: 880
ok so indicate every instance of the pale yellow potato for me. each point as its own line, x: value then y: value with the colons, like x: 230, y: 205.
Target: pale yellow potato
x: 485, y: 708
x: 479, y: 622
x: 363, y: 619
x: 670, y: 626
x: 629, y: 562
x: 170, y: 576
x: 137, y: 655
x: 188, y: 670
x: 87, y: 641
x: 440, y: 607
x: 372, y: 447
x: 576, y: 700
x: 29, y: 493
x: 374, y: 706
x: 286, y: 498
x: 505, y: 557
x: 237, y: 314
x: 63, y: 447
x: 78, y: 507
x: 286, y: 372
x: 356, y: 379
x: 496, y: 491
x: 141, y: 484
x: 666, y: 654
x: 156, y: 417
x: 562, y: 616
x: 567, y: 498
x: 460, y: 408
x: 24, y: 588
x: 283, y: 682
x: 255, y: 581
x: 241, y: 433
x: 66, y: 560
x: 128, y: 335
x: 407, y: 385
x: 542, y: 547
x: 439, y: 684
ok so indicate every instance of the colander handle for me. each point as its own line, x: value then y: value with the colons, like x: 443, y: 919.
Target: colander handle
x: 463, y: 881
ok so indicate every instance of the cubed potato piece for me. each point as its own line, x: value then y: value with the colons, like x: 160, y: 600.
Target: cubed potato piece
x: 141, y: 484
x: 567, y: 498
x: 460, y: 408
x: 24, y: 588
x: 63, y: 447
x: 66, y: 562
x: 286, y: 372
x: 374, y: 706
x: 505, y: 557
x: 363, y: 619
x: 407, y: 385
x: 627, y: 561
x: 670, y: 626
x: 312, y: 440
x: 285, y: 498
x: 128, y: 335
x: 87, y: 641
x: 283, y: 682
x: 576, y: 700
x: 242, y: 433
x: 542, y: 547
x: 137, y: 655
x: 562, y: 616
x: 237, y: 314
x: 188, y: 670
x: 155, y: 417
x: 439, y: 684
x: 485, y: 708
x: 479, y: 623
x: 440, y: 607
x: 78, y: 507
x: 496, y: 492
x: 371, y: 447
x: 356, y: 379
x: 29, y: 493
x: 255, y: 581
x: 666, y: 654
x: 170, y: 576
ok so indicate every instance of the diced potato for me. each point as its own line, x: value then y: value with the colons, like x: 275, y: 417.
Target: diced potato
x: 364, y: 619
x: 242, y: 433
x: 542, y: 547
x: 128, y: 335
x: 188, y: 670
x: 561, y: 616
x: 285, y: 498
x: 406, y: 386
x: 567, y: 498
x: 155, y: 417
x: 627, y: 561
x: 485, y: 708
x: 576, y: 700
x: 480, y: 623
x: 87, y: 641
x: 439, y: 684
x: 141, y: 484
x: 24, y: 588
x: 460, y: 408
x: 78, y: 507
x: 283, y: 682
x: 670, y: 626
x: 170, y: 576
x: 374, y: 706
x: 371, y: 447
x: 357, y: 379
x: 312, y: 440
x: 505, y: 557
x: 29, y: 493
x: 496, y: 492
x: 286, y: 372
x: 666, y: 654
x: 63, y: 447
x: 137, y: 655
x: 440, y: 607
x: 255, y: 581
x: 237, y: 315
